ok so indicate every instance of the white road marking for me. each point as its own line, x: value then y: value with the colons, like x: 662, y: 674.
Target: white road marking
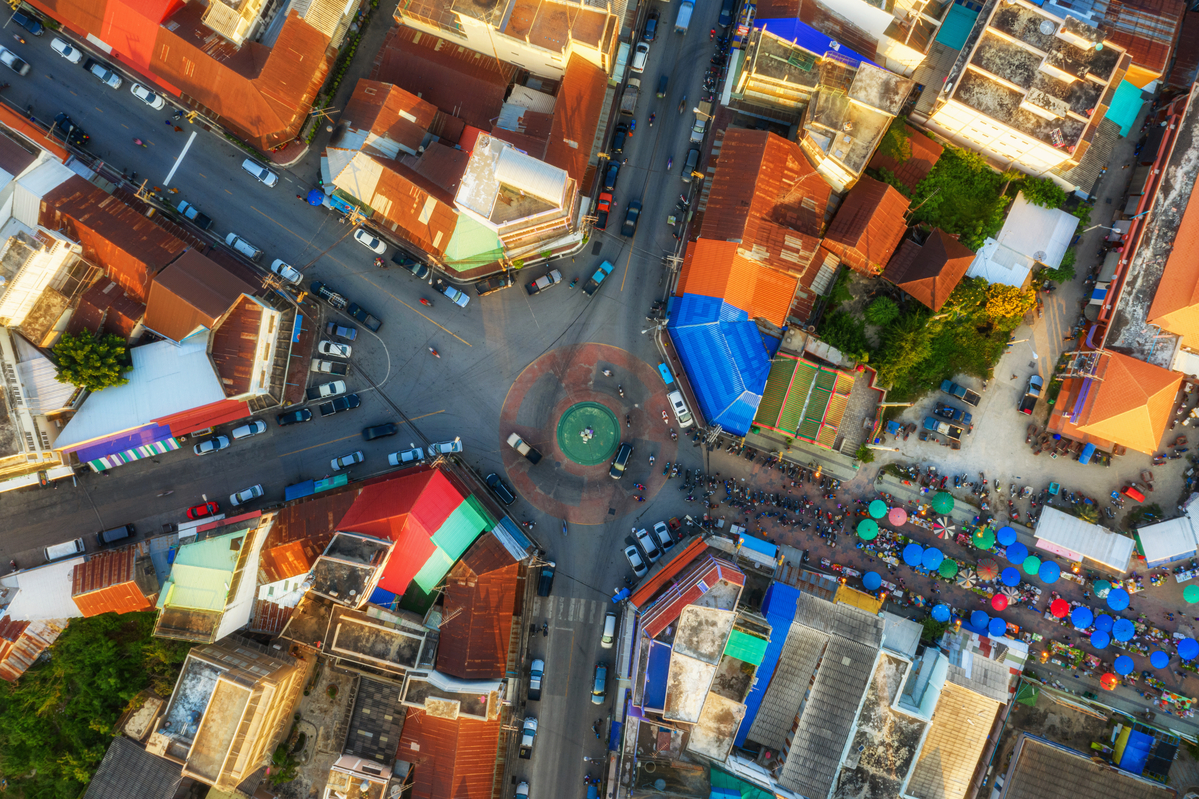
x: 179, y: 159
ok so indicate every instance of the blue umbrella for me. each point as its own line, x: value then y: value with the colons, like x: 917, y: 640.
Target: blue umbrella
x: 941, y: 612
x: 912, y: 554
x: 931, y: 558
x: 1159, y: 659
x: 1010, y: 577
x: 1082, y: 617
x: 1049, y: 572
x: 996, y: 627
x: 315, y: 197
x: 872, y: 581
x: 1017, y: 553
x: 979, y: 620
x: 1100, y: 640
x: 1188, y: 648
x: 1117, y: 599
x: 1006, y: 536
x: 1104, y: 622
x: 1123, y: 665
x: 1122, y: 630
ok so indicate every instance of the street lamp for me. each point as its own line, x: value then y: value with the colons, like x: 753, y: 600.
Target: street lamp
x: 702, y: 114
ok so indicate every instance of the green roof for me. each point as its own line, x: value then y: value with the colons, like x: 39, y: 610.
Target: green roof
x: 472, y: 245
x: 202, y: 572
x: 459, y: 531
x: 434, y: 569
x: 722, y: 779
x: 746, y: 647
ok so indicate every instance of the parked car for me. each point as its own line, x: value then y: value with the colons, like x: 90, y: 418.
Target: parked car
x: 608, y: 636
x: 66, y: 50
x: 380, y: 431
x: 536, y: 671
x: 294, y: 417
x: 648, y: 546
x: 1031, y: 394
x: 500, y: 489
x: 209, y: 445
x: 190, y: 211
x: 203, y: 511
x: 338, y: 404
x: 407, y: 457
x: 418, y: 269
x: 370, y: 241
x: 148, y: 97
x: 493, y: 284
x: 629, y: 228
x: 286, y: 271
x: 103, y: 73
x: 663, y: 537
x: 445, y: 447
x: 254, y: 427
x: 552, y: 278
x: 29, y: 22
x: 602, y: 208
x: 689, y: 166
x: 339, y: 463
x: 651, y: 26
x: 13, y: 62
x: 327, y: 294
x: 341, y: 331
x: 246, y: 495
x: 635, y: 560
x: 260, y: 173
x: 621, y: 461
x: 599, y: 688
x: 611, y: 175
x: 545, y: 578
x: 66, y: 130
x: 681, y: 414
x: 456, y: 296
x: 333, y: 349
x: 619, y: 136
x: 640, y: 57
x: 362, y: 315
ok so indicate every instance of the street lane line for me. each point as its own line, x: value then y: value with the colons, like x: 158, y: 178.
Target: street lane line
x: 179, y: 158
x: 347, y: 438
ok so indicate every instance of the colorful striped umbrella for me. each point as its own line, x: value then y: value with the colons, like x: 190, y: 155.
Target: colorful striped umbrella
x: 967, y: 578
x: 944, y: 527
x: 988, y: 569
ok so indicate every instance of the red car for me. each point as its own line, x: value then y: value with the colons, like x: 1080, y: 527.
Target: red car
x: 602, y: 208
x: 201, y: 511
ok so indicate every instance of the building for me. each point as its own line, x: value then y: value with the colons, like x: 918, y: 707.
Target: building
x: 804, y: 400
x: 1148, y: 30
x: 128, y: 770
x: 1040, y: 769
x: 1173, y: 539
x: 35, y: 405
x: 230, y: 707
x: 1030, y: 88
x: 451, y: 756
x: 929, y: 266
x: 1032, y: 237
x: 115, y: 581
x: 1082, y: 542
x: 22, y: 642
x: 479, y: 612
x: 348, y: 571
x: 868, y: 226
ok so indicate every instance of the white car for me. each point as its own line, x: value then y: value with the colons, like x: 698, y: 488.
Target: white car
x: 13, y: 62
x: 640, y: 56
x: 347, y: 460
x: 148, y: 97
x: 406, y: 456
x: 287, y: 272
x: 214, y: 444
x: 245, y: 495
x: 648, y: 546
x: 334, y: 349
x: 634, y: 558
x: 67, y: 51
x: 370, y: 241
x: 260, y: 173
x: 255, y: 427
x: 105, y: 75
x: 446, y: 447
x: 662, y: 534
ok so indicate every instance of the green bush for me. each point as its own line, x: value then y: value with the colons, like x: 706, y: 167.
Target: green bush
x: 845, y: 332
x: 840, y: 293
x: 1043, y: 192
x: 961, y: 195
x: 865, y: 454
x: 882, y: 311
x: 895, y: 143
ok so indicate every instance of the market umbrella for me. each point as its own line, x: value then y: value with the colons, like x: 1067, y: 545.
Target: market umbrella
x: 944, y: 527
x: 948, y: 568
x: 1191, y: 593
x: 941, y: 612
x: 1117, y: 599
x: 996, y: 627
x: 1159, y: 659
x: 999, y: 601
x: 1009, y: 576
x: 1188, y: 648
x: 877, y: 509
x: 967, y: 578
x: 872, y: 581
x: 1109, y: 681
x: 1049, y: 572
x: 1005, y: 535
x: 1100, y: 639
x: 1059, y: 607
x: 1082, y: 617
x: 1016, y: 553
x: 943, y: 502
x: 979, y: 620
x: 988, y: 569
x: 984, y: 538
x: 1122, y: 630
x: 897, y: 516
x: 1102, y: 587
x: 1123, y: 665
x: 1013, y: 594
x: 1104, y: 622
x: 1032, y: 565
x: 315, y: 197
x: 912, y: 554
x: 868, y: 529
x: 931, y: 558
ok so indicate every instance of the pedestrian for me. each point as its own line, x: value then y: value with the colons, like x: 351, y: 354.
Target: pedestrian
x: 169, y: 123
x: 173, y: 190
x: 298, y: 197
x: 178, y: 129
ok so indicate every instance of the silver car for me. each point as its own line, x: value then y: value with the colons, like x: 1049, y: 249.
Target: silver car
x: 260, y: 173
x: 446, y: 447
x: 246, y: 495
x: 634, y: 558
x: 253, y: 428
x: 370, y: 241
x: 334, y: 349
x: 406, y: 457
x: 347, y: 460
x: 214, y: 444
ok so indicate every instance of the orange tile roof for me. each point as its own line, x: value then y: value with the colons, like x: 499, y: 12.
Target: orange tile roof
x: 576, y: 115
x: 925, y: 154
x: 1130, y: 403
x: 1175, y: 305
x: 868, y: 226
x: 718, y: 269
x: 931, y: 272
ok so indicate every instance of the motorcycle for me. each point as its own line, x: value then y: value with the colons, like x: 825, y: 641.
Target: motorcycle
x: 381, y: 264
x: 682, y: 103
x: 573, y: 283
x: 436, y: 354
x: 620, y: 390
x: 652, y: 117
x: 426, y: 303
x: 669, y: 162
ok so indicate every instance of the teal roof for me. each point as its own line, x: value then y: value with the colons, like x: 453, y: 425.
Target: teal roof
x: 1126, y: 104
x: 202, y: 572
x: 748, y: 648
x: 957, y: 26
x: 472, y: 245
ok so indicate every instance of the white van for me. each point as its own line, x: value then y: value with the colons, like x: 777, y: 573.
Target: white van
x: 679, y: 407
x: 609, y: 631
x: 244, y: 247
x: 65, y: 550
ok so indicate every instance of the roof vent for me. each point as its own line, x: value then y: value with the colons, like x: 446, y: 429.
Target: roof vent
x: 1047, y: 27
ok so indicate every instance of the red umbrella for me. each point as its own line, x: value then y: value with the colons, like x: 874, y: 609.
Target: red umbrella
x: 999, y: 601
x: 1109, y: 682
x: 1059, y: 607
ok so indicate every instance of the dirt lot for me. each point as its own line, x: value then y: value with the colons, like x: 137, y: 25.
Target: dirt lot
x: 321, y: 717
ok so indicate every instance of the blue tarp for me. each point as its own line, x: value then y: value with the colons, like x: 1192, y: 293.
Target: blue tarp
x: 805, y: 36
x: 1126, y: 104
x: 759, y: 546
x: 957, y: 26
x: 724, y: 358
x: 778, y: 607
x: 383, y: 598
x: 655, y: 677
x: 304, y: 489
x: 1087, y: 452
x: 1136, y: 752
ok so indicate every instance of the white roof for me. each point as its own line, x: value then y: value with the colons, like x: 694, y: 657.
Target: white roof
x: 1173, y: 538
x: 39, y: 379
x: 45, y: 593
x: 166, y: 379
x: 1031, y: 234
x: 525, y: 173
x: 1089, y: 540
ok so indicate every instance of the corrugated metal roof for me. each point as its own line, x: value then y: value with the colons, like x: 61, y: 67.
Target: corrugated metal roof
x: 1047, y: 770
x: 924, y: 155
x: 931, y: 272
x: 105, y: 583
x: 1186, y: 57
x: 451, y: 759
x: 201, y: 574
x: 192, y: 293
x: 105, y: 307
x: 955, y: 741
x: 128, y: 770
x: 21, y: 643
x: 1089, y: 540
x: 674, y: 565
x: 234, y: 345
x: 718, y: 269
x: 703, y: 576
x: 1147, y: 29
x: 269, y: 617
x: 1130, y: 402
x: 392, y: 115
x: 45, y: 592
x: 868, y: 225
x: 480, y: 599
x: 576, y: 115
x: 15, y: 158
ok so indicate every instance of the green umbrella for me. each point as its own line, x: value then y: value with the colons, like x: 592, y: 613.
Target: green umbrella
x: 878, y: 509
x: 948, y: 568
x: 984, y: 538
x: 1101, y: 589
x: 1191, y: 593
x: 867, y: 529
x: 1032, y: 565
x: 943, y: 502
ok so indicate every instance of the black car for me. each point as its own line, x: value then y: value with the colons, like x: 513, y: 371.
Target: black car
x: 610, y: 177
x: 294, y: 417
x: 545, y: 581
x: 621, y: 461
x: 328, y: 295
x: 493, y: 284
x: 501, y: 491
x: 619, y: 137
x: 630, y: 219
x: 651, y: 26
x: 946, y: 411
x: 419, y: 270
x: 29, y: 23
x: 380, y: 431
x: 66, y: 130
x: 362, y: 315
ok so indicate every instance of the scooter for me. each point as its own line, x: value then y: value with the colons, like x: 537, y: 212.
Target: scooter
x: 573, y: 283
x: 682, y: 103
x: 435, y: 353
x: 426, y: 303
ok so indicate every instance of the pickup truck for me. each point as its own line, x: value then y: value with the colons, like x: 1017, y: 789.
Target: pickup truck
x: 964, y: 394
x: 953, y: 414
x: 189, y: 212
x: 326, y: 390
x: 362, y: 315
x: 535, y: 672
x: 330, y: 368
x: 528, y: 733
x: 339, y: 404
x: 935, y: 425
x: 330, y: 296
x: 593, y: 283
x: 628, y: 100
x: 518, y: 444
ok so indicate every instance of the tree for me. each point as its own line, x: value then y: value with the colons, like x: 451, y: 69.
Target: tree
x: 91, y: 361
x: 961, y: 195
x: 1043, y: 192
x: 933, y: 630
x: 1088, y: 512
x: 1007, y: 302
x: 865, y: 454
x: 882, y: 311
x: 845, y: 332
x: 895, y: 143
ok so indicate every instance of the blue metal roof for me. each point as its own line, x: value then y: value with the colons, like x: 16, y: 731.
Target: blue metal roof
x: 655, y: 676
x: 758, y: 545
x: 804, y: 35
x: 778, y: 607
x: 724, y: 358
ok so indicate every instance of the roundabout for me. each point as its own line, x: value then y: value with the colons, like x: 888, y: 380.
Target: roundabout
x: 588, y: 433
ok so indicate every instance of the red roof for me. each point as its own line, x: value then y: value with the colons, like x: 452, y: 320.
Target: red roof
x: 105, y: 307
x: 210, y: 415
x: 868, y: 226
x: 931, y: 272
x: 576, y: 116
x: 105, y: 584
x: 480, y: 600
x: 924, y: 155
x: 452, y: 759
x: 680, y: 561
x: 21, y: 643
x: 1147, y: 29
x: 705, y: 574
